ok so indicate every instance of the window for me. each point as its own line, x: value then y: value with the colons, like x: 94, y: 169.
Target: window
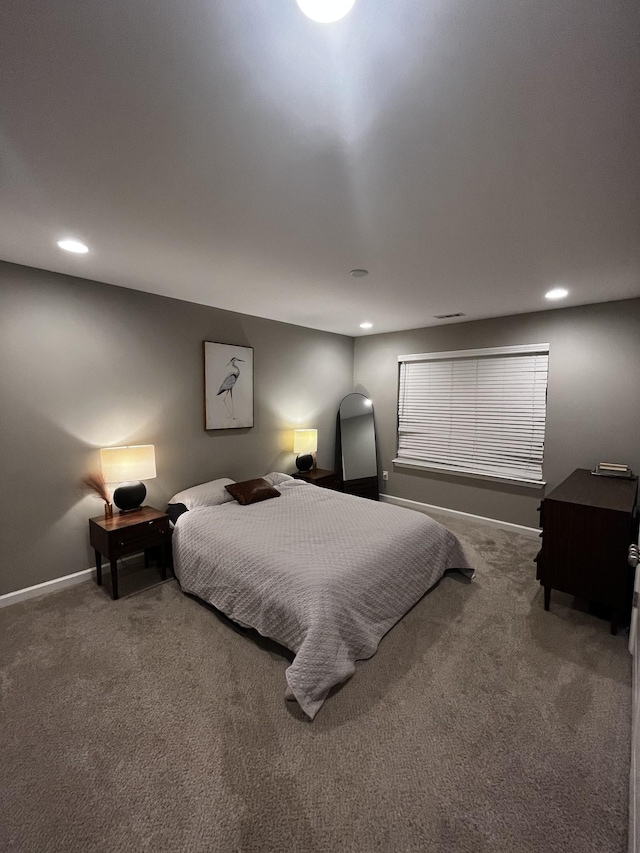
x: 479, y: 412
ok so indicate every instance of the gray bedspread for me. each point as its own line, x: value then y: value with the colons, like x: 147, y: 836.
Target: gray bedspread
x: 322, y: 573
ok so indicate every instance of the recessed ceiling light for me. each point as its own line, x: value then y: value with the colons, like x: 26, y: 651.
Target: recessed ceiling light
x: 366, y: 325
x: 359, y: 273
x: 73, y: 246
x: 325, y: 11
x: 557, y: 293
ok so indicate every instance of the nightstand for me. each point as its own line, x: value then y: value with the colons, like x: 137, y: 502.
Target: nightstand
x: 320, y: 477
x: 129, y: 533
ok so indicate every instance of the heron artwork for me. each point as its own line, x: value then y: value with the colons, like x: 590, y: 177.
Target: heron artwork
x: 227, y: 385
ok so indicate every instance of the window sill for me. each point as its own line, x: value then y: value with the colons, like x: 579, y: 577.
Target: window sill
x: 460, y: 472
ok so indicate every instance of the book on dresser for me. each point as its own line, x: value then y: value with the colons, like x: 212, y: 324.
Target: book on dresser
x: 588, y: 523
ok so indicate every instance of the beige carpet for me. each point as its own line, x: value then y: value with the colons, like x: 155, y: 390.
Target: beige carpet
x: 482, y: 724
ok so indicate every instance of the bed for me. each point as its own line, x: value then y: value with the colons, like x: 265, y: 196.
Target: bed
x: 323, y: 573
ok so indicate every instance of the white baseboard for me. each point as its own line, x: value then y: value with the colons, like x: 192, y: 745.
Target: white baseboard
x: 478, y: 519
x: 43, y: 588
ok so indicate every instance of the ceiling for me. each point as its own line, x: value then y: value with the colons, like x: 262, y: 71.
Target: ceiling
x: 470, y: 154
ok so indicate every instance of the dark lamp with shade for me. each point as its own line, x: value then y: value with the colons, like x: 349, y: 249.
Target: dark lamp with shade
x: 128, y: 466
x: 305, y: 444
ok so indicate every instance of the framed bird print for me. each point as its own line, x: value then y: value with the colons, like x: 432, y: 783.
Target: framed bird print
x: 228, y: 386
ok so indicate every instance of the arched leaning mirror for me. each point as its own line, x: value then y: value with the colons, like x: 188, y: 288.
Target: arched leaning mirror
x: 356, y: 446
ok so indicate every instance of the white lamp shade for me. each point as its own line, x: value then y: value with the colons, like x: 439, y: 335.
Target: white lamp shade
x: 122, y: 464
x: 305, y: 440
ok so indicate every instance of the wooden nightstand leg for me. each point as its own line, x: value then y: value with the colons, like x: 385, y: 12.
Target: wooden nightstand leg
x: 98, y: 567
x: 547, y: 597
x: 114, y: 578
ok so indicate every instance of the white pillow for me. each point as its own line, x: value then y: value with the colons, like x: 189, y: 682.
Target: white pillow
x: 206, y: 494
x: 276, y: 479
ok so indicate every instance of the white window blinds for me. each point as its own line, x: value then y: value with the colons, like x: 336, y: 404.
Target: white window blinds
x: 475, y: 411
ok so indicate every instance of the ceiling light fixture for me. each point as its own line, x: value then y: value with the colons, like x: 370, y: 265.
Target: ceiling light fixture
x: 366, y: 325
x: 73, y: 246
x: 359, y: 273
x: 557, y: 293
x: 325, y: 11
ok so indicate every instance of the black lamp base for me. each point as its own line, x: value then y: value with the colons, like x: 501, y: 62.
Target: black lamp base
x: 304, y: 462
x: 129, y: 496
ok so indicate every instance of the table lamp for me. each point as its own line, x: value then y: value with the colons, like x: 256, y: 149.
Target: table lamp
x: 305, y: 443
x: 127, y: 466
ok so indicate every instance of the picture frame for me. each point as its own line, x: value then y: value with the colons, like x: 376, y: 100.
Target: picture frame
x: 228, y: 386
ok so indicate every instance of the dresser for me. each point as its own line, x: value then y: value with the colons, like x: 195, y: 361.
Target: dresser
x: 588, y: 523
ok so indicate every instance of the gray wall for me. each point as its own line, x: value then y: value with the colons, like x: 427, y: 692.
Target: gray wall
x: 593, y: 399
x: 85, y: 365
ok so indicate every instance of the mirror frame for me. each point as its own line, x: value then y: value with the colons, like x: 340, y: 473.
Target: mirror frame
x: 366, y: 487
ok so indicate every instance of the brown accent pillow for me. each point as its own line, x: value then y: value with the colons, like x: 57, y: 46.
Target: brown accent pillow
x: 252, y: 491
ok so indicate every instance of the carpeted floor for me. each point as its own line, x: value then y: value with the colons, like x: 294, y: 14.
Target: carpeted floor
x: 482, y: 725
